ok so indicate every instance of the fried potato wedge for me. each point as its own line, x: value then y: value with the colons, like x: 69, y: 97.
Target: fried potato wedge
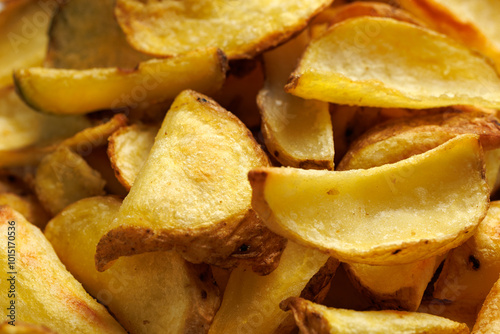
x: 394, y: 287
x: 24, y: 328
x: 488, y: 320
x: 20, y: 126
x: 128, y: 150
x: 401, y: 138
x: 83, y: 142
x: 26, y: 205
x: 392, y: 214
x: 356, y: 62
x: 192, y: 194
x: 318, y: 319
x: 45, y: 292
x: 469, y: 22
x: 56, y: 90
x: 63, y: 177
x: 84, y: 34
x: 23, y: 41
x: 297, y: 132
x: 172, y: 27
x: 477, y: 260
x: 254, y: 300
x: 149, y: 293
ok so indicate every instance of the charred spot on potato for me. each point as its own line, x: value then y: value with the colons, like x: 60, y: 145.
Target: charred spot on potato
x: 396, y: 251
x: 476, y: 264
x: 244, y: 248
x: 276, y: 154
x: 203, y: 294
x: 202, y: 100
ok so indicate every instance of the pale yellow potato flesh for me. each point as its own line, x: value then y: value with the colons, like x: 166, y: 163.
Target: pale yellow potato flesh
x: 63, y: 177
x: 23, y: 41
x: 254, y: 300
x: 470, y: 270
x: 382, y: 62
x: 297, y: 132
x: 492, y: 167
x: 128, y: 150
x: 21, y: 126
x: 488, y: 319
x: 77, y: 42
x: 393, y: 214
x: 24, y: 328
x: 240, y: 29
x: 45, y: 292
x: 56, y: 90
x: 149, y: 293
x: 28, y: 206
x: 318, y: 319
x: 398, y: 287
x: 192, y: 194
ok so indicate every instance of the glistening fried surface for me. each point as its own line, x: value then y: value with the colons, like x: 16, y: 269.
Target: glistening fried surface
x: 192, y: 194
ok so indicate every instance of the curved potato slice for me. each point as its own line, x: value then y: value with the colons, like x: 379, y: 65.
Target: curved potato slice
x: 392, y: 214
x: 128, y: 150
x: 20, y: 126
x: 64, y: 177
x: 254, y: 300
x: 56, y: 90
x: 318, y: 319
x: 297, y: 132
x: 401, y: 138
x: 172, y: 27
x: 472, y: 23
x: 45, y: 292
x: 84, y: 34
x: 23, y: 38
x: 488, y: 320
x: 192, y: 193
x: 356, y: 62
x: 149, y: 293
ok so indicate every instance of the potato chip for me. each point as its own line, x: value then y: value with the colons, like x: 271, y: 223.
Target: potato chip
x: 488, y: 320
x: 240, y: 29
x: 356, y: 62
x: 393, y: 214
x: 56, y: 90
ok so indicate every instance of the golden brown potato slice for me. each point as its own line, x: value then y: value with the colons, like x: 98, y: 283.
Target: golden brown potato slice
x: 472, y: 23
x: 392, y: 214
x: 356, y: 62
x: 83, y: 142
x: 20, y: 126
x: 254, y: 300
x: 63, y: 177
x: 488, y: 320
x: 149, y: 293
x: 24, y: 328
x: 28, y: 206
x: 56, y: 90
x: 23, y: 41
x: 471, y: 269
x: 43, y: 291
x: 492, y: 167
x: 318, y: 319
x: 128, y: 149
x: 297, y: 132
x: 394, y: 287
x: 172, y: 27
x: 192, y: 193
x: 401, y: 138
x: 84, y: 34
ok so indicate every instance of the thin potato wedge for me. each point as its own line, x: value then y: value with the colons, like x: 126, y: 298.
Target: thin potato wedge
x: 477, y: 260
x: 355, y: 62
x: 392, y: 214
x: 63, y: 177
x: 254, y: 300
x: 149, y: 293
x: 84, y: 34
x: 45, y: 292
x: 172, y: 27
x: 23, y: 41
x: 488, y: 320
x: 56, y: 90
x: 297, y: 132
x: 318, y: 319
x: 128, y: 150
x: 192, y: 194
